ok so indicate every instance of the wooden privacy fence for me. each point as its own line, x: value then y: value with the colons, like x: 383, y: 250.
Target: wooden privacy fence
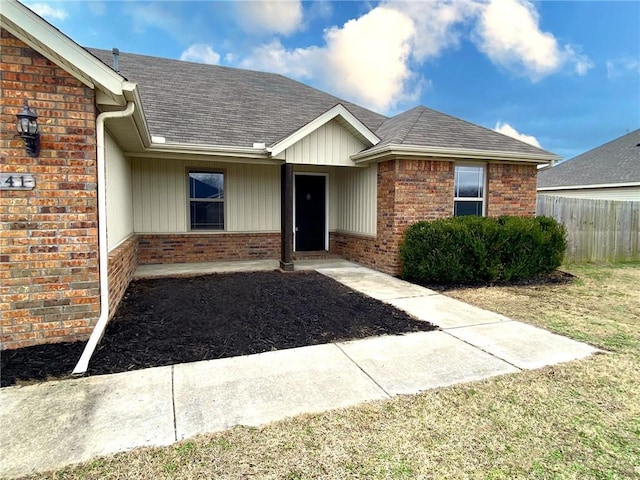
x: 597, y: 230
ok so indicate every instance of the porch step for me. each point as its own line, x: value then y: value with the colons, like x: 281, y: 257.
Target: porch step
x: 314, y: 255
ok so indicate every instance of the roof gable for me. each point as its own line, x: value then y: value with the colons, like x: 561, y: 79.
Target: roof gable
x: 615, y: 162
x: 348, y: 121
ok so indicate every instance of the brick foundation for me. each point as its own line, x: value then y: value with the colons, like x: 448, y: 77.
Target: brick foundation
x: 512, y: 190
x: 189, y: 248
x: 49, y: 240
x: 353, y: 247
x: 123, y: 261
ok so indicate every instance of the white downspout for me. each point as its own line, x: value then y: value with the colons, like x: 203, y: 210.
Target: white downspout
x: 98, y: 330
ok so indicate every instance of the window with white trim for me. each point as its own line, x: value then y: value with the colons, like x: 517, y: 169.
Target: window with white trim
x: 206, y: 200
x: 469, y: 190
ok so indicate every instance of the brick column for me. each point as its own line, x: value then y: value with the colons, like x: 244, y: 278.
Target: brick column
x: 49, y: 238
x: 409, y: 191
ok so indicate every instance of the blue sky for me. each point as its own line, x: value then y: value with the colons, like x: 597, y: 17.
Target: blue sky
x: 563, y: 74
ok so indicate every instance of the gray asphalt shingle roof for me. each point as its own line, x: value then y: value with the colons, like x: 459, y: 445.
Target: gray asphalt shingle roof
x: 617, y: 161
x: 189, y: 102
x: 423, y: 126
x: 208, y: 104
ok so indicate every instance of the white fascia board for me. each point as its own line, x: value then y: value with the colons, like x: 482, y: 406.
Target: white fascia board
x: 338, y: 110
x: 132, y: 94
x: 598, y: 185
x: 177, y: 150
x: 379, y: 154
x: 57, y: 47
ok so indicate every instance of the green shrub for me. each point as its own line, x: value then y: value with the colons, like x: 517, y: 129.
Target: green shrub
x: 472, y: 249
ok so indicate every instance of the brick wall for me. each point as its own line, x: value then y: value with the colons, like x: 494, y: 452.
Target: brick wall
x: 123, y: 261
x: 409, y: 191
x: 188, y: 248
x: 512, y: 190
x: 49, y: 240
x: 353, y: 247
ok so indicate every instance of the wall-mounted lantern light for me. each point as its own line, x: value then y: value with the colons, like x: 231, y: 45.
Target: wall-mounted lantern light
x: 27, y: 126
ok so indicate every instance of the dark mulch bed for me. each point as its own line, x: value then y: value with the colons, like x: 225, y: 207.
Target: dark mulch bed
x: 557, y: 277
x: 177, y: 320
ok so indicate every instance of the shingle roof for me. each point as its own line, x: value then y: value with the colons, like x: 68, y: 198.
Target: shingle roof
x: 208, y: 104
x: 422, y: 126
x: 617, y: 161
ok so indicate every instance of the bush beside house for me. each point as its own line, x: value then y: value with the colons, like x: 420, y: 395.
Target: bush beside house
x: 478, y: 250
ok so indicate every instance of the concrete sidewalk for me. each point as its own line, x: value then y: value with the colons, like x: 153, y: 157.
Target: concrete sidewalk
x: 50, y: 425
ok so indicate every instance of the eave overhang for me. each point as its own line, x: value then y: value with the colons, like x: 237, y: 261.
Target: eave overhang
x: 387, y: 152
x: 206, y: 152
x: 596, y: 185
x: 26, y: 25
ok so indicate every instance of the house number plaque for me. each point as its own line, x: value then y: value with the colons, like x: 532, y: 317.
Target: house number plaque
x: 17, y: 181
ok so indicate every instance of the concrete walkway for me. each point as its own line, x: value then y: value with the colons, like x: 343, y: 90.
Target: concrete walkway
x: 50, y: 425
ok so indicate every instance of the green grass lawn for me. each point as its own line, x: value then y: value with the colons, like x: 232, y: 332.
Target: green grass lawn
x: 577, y: 420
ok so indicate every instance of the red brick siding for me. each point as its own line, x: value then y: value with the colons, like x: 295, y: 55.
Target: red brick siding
x: 511, y: 190
x: 123, y: 261
x: 49, y: 240
x: 353, y: 247
x: 409, y: 191
x: 187, y: 248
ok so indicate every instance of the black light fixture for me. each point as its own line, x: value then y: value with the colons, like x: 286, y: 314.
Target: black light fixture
x: 27, y: 126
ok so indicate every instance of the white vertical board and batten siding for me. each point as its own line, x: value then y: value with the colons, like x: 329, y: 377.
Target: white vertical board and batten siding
x: 358, y: 198
x: 330, y: 145
x: 161, y: 202
x: 119, y: 194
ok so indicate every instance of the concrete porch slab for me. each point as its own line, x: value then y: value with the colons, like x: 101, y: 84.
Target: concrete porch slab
x: 53, y: 424
x: 412, y: 363
x: 258, y: 389
x: 446, y: 312
x: 523, y: 345
x: 190, y: 269
x: 375, y: 284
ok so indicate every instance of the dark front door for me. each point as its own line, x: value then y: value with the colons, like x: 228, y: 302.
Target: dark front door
x: 310, y: 212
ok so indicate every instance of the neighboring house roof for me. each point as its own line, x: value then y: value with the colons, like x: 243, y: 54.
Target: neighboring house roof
x: 616, y: 162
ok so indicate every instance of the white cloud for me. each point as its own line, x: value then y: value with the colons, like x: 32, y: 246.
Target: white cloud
x: 365, y: 61
x: 618, y: 67
x: 201, y: 53
x: 508, y: 32
x: 303, y: 63
x: 47, y: 11
x: 368, y: 57
x: 509, y: 131
x: 435, y: 23
x: 270, y: 16
x: 370, y: 60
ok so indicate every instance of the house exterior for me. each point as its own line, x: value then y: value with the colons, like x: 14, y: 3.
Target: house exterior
x: 167, y: 161
x: 608, y: 172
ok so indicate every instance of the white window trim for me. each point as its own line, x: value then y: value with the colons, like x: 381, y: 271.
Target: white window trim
x: 485, y: 184
x: 223, y: 200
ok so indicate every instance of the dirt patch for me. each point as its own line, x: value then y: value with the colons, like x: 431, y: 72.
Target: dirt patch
x: 177, y: 320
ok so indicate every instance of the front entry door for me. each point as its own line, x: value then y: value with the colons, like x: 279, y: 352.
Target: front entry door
x: 310, y: 203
